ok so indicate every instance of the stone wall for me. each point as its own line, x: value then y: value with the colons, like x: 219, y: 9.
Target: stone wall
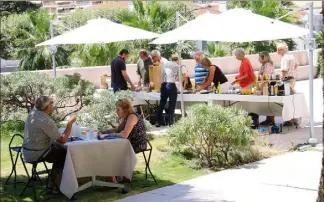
x: 229, y: 66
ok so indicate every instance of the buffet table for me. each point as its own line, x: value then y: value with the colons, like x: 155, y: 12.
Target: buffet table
x: 289, y: 107
x: 91, y: 158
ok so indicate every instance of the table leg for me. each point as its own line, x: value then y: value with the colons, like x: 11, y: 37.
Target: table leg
x: 108, y: 184
x: 85, y: 186
x: 95, y: 182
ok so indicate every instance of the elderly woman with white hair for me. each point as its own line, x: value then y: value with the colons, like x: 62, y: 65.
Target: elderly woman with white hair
x: 246, y: 76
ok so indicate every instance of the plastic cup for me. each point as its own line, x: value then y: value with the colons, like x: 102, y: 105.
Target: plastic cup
x: 84, y: 130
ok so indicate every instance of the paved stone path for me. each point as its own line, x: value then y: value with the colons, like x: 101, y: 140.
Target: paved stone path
x: 291, y: 177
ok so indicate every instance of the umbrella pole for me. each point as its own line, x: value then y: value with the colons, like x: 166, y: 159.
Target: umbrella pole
x: 181, y: 84
x: 52, y: 48
x: 311, y: 140
x: 180, y: 72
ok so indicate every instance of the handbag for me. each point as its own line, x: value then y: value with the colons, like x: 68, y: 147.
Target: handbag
x: 187, y: 83
x: 186, y: 80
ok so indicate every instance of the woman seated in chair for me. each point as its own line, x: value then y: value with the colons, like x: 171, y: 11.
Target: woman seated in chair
x: 132, y: 126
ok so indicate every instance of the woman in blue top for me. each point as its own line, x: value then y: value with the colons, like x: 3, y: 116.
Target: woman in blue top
x: 200, y: 71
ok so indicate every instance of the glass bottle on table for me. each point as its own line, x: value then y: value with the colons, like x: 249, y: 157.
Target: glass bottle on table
x: 276, y: 89
x: 219, y: 88
x: 254, y: 91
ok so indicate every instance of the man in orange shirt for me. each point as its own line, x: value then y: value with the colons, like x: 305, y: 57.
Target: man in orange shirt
x: 246, y: 75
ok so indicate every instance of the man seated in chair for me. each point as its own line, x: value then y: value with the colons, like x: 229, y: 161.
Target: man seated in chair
x: 39, y: 135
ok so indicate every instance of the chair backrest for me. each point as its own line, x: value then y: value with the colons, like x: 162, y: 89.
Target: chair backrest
x: 148, y: 142
x: 15, y: 136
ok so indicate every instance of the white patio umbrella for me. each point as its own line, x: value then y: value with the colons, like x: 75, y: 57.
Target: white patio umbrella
x: 240, y: 25
x: 235, y: 25
x: 100, y: 31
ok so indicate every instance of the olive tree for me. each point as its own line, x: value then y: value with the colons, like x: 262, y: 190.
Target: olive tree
x: 101, y: 112
x: 19, y: 92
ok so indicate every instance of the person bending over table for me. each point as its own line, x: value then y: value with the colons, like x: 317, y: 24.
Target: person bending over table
x: 214, y: 75
x: 131, y: 127
x: 119, y: 76
x: 246, y: 75
x: 40, y: 131
x: 143, y: 69
x: 200, y: 71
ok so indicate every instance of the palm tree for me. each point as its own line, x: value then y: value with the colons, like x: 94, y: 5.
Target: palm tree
x: 96, y: 54
x: 216, y: 50
x: 36, y: 31
x: 156, y: 17
x: 271, y: 9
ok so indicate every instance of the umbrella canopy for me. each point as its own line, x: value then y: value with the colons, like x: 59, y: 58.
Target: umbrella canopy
x: 235, y: 25
x: 100, y: 31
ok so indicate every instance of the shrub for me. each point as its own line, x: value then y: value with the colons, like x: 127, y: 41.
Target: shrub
x: 211, y: 133
x: 8, y: 128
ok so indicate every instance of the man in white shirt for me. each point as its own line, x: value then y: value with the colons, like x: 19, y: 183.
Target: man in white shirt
x: 170, y: 72
x: 156, y: 57
x: 288, y: 66
x: 156, y: 70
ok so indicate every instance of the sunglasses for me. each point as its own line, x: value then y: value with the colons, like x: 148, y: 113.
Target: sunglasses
x: 47, y: 105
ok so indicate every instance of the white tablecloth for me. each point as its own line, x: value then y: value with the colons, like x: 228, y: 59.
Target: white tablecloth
x: 90, y: 158
x: 293, y: 106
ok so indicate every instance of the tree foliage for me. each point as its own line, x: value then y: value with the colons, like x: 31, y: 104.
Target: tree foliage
x: 14, y: 7
x: 9, y: 25
x: 101, y: 112
x: 21, y: 33
x: 96, y: 54
x: 320, y: 44
x: 81, y: 16
x: 157, y: 17
x: 92, y: 54
x: 217, y: 50
x: 271, y: 9
x: 19, y: 92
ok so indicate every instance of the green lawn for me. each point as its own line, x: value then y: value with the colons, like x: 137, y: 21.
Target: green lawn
x: 167, y: 168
